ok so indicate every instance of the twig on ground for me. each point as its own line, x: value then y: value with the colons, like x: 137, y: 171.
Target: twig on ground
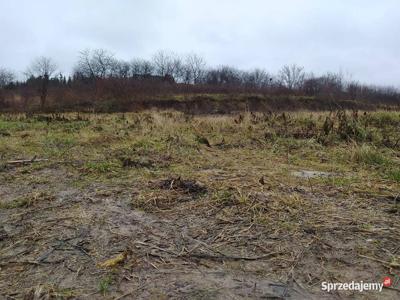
x: 231, y: 257
x: 23, y: 262
x: 385, y: 263
x: 25, y: 161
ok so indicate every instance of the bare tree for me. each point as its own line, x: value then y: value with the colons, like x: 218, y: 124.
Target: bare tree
x: 6, y: 77
x: 141, y: 67
x: 224, y: 75
x: 42, y: 68
x: 178, y: 69
x: 194, y: 68
x: 292, y: 76
x: 354, y: 89
x: 97, y: 63
x: 257, y: 78
x: 85, y: 67
x: 163, y: 63
x: 120, y: 69
x: 168, y: 63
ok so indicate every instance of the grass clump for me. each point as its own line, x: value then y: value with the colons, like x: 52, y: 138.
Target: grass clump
x: 368, y: 155
x: 224, y: 197
x: 27, y: 201
x: 58, y: 145
x: 104, y: 285
x: 394, y: 175
x: 101, y: 166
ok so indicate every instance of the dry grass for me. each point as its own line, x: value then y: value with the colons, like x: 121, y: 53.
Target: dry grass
x: 178, y: 194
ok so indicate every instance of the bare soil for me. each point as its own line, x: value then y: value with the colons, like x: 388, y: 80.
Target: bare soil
x: 53, y: 248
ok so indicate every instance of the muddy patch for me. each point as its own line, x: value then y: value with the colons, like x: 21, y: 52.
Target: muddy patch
x: 312, y: 174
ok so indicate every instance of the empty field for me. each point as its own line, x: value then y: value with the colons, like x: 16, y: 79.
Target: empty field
x: 162, y: 204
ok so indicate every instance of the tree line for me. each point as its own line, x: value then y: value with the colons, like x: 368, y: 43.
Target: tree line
x: 99, y: 75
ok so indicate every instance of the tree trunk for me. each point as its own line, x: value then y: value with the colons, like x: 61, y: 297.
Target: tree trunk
x: 43, y: 95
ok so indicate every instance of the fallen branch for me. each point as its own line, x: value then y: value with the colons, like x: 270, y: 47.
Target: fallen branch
x: 385, y: 263
x: 23, y: 262
x: 231, y: 257
x: 25, y: 161
x: 220, y: 257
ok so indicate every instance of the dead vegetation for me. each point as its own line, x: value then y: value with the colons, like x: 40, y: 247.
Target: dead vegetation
x: 140, y: 206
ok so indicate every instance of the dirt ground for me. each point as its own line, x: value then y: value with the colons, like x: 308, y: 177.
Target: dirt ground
x: 58, y: 244
x: 220, y: 223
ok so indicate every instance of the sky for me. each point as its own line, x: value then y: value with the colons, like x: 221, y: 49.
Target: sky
x: 359, y: 38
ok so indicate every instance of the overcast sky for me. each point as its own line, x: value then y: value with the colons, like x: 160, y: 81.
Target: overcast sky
x: 358, y: 37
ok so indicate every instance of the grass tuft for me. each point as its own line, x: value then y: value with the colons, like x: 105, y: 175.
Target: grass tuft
x: 369, y: 155
x: 28, y: 200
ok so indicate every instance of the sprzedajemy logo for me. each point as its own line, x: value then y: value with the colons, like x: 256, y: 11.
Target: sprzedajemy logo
x: 360, y: 286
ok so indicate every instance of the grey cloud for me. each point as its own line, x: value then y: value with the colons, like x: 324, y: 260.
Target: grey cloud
x: 358, y: 37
